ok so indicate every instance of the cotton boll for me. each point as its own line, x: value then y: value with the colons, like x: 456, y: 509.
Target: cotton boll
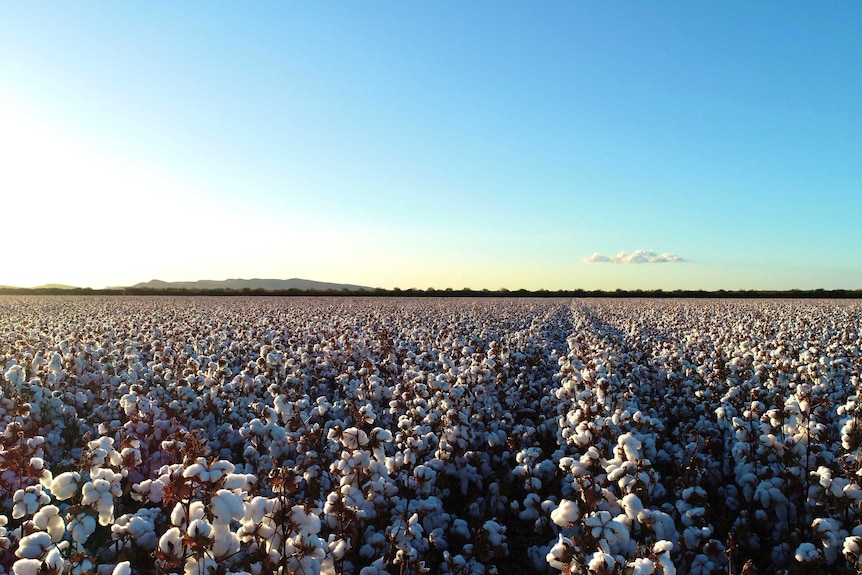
x: 306, y: 522
x: 631, y: 447
x: 566, y: 513
x: 642, y: 566
x: 852, y: 549
x: 461, y: 528
x: 122, y: 568
x: 831, y: 535
x: 225, y: 542
x: 226, y: 506
x: 531, y: 508
x: 195, y: 566
x: 34, y: 545
x: 561, y: 554
x: 100, y: 492
x: 54, y: 562
x: 140, y: 526
x: 632, y: 505
x: 702, y: 565
x: 601, y: 562
x: 48, y: 519
x: 532, y: 484
x: 807, y: 552
x: 103, y: 453
x: 199, y: 529
x: 495, y: 533
x: 661, y: 549
x: 353, y: 438
x: 219, y: 469
x: 27, y: 567
x: 152, y: 490
x: 26, y: 501
x: 81, y: 527
x: 15, y: 375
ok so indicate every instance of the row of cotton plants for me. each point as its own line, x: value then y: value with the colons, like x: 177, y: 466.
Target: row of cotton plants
x: 746, y: 412
x: 374, y: 436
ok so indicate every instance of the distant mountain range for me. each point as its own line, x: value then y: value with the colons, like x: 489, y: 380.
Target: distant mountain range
x: 254, y: 284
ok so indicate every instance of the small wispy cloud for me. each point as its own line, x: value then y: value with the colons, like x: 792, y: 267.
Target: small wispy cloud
x: 636, y: 257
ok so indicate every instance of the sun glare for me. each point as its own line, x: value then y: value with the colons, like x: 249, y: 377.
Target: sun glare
x: 68, y: 206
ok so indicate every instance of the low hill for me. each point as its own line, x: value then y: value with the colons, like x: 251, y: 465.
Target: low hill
x: 56, y: 286
x: 254, y: 284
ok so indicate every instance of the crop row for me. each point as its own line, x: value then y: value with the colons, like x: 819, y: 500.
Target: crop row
x: 338, y: 435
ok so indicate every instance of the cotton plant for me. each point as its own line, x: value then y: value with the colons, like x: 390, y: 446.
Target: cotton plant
x: 205, y: 501
x: 684, y: 423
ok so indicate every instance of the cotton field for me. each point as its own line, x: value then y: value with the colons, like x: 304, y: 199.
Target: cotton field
x: 401, y: 436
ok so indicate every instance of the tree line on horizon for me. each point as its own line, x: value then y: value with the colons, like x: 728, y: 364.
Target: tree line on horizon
x: 447, y: 292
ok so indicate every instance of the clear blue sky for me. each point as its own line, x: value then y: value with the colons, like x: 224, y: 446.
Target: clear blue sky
x: 438, y: 144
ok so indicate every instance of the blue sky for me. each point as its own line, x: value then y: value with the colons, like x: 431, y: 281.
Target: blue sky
x: 481, y: 145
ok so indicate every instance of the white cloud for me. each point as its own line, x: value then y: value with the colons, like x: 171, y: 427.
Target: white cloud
x: 636, y: 257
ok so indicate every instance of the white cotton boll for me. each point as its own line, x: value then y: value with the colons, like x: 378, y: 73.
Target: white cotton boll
x: 81, y: 527
x: 198, y: 470
x: 353, y: 438
x: 807, y: 552
x: 597, y: 523
x: 48, y: 519
x: 825, y: 476
x: 528, y: 513
x: 122, y: 568
x: 837, y: 486
x: 831, y: 535
x: 560, y: 555
x: 632, y: 505
x: 497, y: 438
x: 199, y: 528
x: 225, y: 542
x: 241, y: 481
x: 219, y: 469
x: 100, y: 495
x: 27, y: 567
x: 152, y: 490
x: 178, y: 514
x: 15, y: 375
x: 25, y: 502
x: 461, y: 528
x: 662, y: 550
x: 566, y: 514
x: 642, y: 566
x: 171, y: 542
x: 781, y: 554
x: 226, y: 506
x: 103, y: 452
x: 601, y: 562
x: 852, y: 548
x: 32, y: 546
x: 307, y: 523
x: 338, y: 548
x: 54, y: 562
x: 274, y: 358
x: 140, y: 525
x: 255, y: 510
x: 133, y: 455
x: 197, y: 567
x: 495, y: 533
x: 701, y: 565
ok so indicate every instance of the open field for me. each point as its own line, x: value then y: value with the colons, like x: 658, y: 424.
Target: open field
x: 369, y: 436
